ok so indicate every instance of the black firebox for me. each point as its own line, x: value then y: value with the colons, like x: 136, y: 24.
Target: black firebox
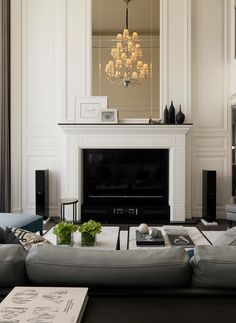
x: 122, y: 185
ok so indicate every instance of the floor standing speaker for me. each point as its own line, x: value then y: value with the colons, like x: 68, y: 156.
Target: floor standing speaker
x: 209, y: 195
x: 42, y: 192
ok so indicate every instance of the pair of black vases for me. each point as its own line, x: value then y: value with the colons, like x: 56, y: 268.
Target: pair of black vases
x: 171, y: 118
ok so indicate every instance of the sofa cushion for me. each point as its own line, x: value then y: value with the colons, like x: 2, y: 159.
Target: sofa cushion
x: 227, y: 238
x: 214, y: 267
x: 12, y: 265
x: 71, y: 266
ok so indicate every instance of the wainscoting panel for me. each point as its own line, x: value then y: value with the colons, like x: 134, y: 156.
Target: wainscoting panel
x: 206, y: 142
x: 39, y: 142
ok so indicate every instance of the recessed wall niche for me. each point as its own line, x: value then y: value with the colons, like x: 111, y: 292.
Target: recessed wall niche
x: 109, y: 19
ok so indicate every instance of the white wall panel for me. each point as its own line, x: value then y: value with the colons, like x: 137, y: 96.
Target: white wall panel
x: 209, y: 58
x: 40, y: 98
x: 176, y: 54
x: 78, y: 40
x: 38, y: 63
x: 232, y: 48
x: 40, y: 141
x: 206, y: 142
x: 210, y: 135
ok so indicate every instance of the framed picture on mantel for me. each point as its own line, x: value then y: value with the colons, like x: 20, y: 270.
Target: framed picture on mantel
x: 109, y: 116
x: 87, y: 109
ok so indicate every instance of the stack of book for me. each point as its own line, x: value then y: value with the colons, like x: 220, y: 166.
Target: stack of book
x: 44, y: 304
x: 178, y: 236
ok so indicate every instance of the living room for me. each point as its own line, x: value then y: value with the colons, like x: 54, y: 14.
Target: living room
x: 57, y: 63
x: 51, y: 67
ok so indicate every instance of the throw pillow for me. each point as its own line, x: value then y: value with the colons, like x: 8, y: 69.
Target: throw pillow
x: 29, y: 239
x: 8, y: 237
x: 227, y: 238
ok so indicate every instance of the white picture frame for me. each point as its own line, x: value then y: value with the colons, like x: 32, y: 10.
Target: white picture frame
x: 87, y: 109
x: 109, y: 116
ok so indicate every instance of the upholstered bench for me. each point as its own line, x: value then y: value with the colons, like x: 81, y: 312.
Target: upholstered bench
x: 30, y: 222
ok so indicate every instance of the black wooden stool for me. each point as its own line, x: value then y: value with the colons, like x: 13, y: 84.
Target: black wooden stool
x: 69, y: 201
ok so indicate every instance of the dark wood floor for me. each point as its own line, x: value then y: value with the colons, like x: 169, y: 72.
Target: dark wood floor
x: 159, y: 309
x: 222, y: 224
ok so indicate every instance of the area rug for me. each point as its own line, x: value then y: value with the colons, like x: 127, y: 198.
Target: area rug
x: 212, y: 236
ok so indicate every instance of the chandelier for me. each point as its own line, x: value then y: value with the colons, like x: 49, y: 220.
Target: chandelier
x: 126, y: 66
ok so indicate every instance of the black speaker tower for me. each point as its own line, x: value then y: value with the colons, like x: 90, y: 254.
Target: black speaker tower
x: 42, y: 192
x: 209, y: 195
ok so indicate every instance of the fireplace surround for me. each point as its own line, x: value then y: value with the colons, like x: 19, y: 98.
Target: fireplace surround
x: 125, y: 136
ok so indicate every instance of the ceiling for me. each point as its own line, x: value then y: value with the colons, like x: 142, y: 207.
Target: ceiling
x: 109, y: 16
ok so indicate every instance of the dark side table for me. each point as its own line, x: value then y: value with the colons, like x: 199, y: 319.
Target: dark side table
x: 69, y: 201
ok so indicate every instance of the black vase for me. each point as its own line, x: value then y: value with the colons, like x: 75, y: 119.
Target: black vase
x: 166, y: 115
x: 180, y: 117
x: 171, y: 113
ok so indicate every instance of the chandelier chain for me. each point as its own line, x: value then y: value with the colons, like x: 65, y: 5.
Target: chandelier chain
x: 127, y: 15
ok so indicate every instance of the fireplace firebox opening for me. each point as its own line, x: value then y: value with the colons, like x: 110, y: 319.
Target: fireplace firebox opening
x: 121, y: 185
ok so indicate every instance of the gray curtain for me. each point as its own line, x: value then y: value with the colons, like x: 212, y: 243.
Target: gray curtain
x: 5, y: 165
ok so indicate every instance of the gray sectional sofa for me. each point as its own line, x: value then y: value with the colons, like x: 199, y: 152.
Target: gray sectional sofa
x: 165, y: 275
x: 210, y: 267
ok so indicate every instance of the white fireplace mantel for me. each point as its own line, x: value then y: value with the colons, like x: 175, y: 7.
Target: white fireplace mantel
x: 127, y: 136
